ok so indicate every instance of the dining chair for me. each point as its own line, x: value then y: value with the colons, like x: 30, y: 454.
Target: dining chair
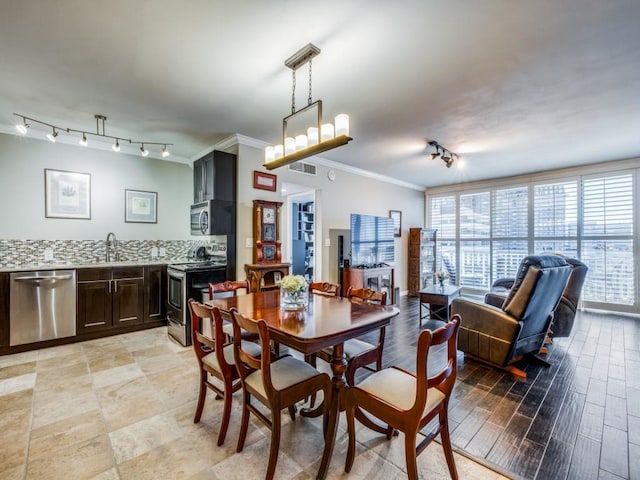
x: 409, y: 401
x: 214, y: 354
x: 276, y: 384
x: 357, y: 352
x: 231, y: 288
x: 324, y: 288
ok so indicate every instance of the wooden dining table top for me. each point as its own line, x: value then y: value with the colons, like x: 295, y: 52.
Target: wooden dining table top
x: 325, y: 322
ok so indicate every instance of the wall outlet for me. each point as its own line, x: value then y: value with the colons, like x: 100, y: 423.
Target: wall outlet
x: 48, y: 254
x: 163, y: 252
x: 248, y: 243
x: 154, y: 252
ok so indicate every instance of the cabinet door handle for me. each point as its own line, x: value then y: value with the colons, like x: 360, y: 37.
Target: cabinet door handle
x: 109, y: 286
x: 115, y: 284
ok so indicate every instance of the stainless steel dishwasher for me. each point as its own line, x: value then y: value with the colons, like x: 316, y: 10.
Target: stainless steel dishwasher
x: 42, y: 306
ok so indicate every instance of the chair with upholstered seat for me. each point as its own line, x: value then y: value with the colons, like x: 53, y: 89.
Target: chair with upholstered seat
x: 214, y: 354
x: 501, y: 336
x: 408, y: 402
x: 276, y: 384
x: 226, y: 289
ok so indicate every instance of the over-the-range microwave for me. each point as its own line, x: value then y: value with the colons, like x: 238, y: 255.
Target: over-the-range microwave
x: 213, y: 217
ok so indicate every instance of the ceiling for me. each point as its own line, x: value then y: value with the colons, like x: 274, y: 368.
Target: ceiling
x: 515, y: 87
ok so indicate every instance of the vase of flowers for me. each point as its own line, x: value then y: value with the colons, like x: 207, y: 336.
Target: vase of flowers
x: 294, y: 294
x: 441, y: 277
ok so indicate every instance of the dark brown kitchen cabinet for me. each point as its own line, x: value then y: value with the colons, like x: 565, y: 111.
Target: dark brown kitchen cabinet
x: 109, y: 298
x: 4, y: 309
x: 214, y: 177
x: 155, y: 293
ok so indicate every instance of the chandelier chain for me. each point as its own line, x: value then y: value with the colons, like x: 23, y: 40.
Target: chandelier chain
x: 293, y: 91
x: 309, y: 99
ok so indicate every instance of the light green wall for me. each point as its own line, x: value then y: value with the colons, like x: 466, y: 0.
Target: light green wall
x: 22, y: 216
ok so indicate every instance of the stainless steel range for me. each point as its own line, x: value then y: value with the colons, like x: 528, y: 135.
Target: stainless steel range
x: 185, y: 281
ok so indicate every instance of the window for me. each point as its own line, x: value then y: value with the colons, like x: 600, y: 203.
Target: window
x: 587, y: 217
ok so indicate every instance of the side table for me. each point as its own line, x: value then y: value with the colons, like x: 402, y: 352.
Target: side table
x: 437, y: 301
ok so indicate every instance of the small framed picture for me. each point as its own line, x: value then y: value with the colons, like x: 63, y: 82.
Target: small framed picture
x: 264, y: 181
x: 67, y: 194
x: 396, y: 215
x: 269, y: 233
x: 140, y: 206
x: 269, y: 252
x: 277, y: 276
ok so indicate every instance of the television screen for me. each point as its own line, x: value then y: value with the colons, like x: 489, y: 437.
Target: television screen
x: 372, y: 240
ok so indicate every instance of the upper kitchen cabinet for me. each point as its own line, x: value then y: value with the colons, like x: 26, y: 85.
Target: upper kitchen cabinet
x: 214, y: 177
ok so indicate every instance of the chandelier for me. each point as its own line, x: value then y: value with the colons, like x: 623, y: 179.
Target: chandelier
x: 446, y: 155
x: 23, y: 127
x: 319, y: 137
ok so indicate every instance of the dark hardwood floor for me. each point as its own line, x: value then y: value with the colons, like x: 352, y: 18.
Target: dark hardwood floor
x: 578, y: 419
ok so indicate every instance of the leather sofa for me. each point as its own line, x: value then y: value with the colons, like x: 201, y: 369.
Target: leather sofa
x: 565, y: 313
x: 502, y: 335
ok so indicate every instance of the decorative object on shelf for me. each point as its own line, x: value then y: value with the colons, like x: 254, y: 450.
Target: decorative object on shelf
x: 140, y: 206
x: 441, y: 277
x: 294, y: 293
x: 67, y: 194
x: 23, y: 127
x: 445, y: 154
x: 319, y: 138
x: 397, y: 222
x: 264, y: 181
x: 266, y: 231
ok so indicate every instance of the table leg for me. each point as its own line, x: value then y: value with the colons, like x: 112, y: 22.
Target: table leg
x: 338, y: 367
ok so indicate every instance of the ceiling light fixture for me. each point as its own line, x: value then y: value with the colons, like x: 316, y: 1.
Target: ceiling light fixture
x: 22, y: 128
x: 319, y: 138
x: 447, y: 156
x: 52, y: 136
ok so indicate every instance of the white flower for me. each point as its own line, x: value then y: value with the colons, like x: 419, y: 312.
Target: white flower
x: 293, y: 283
x: 441, y: 275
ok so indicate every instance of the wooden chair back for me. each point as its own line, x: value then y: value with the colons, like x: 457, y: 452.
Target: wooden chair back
x: 247, y: 363
x: 366, y: 295
x: 206, y: 331
x: 229, y: 286
x: 324, y: 288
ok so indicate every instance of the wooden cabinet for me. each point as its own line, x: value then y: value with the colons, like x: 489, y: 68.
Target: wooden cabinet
x: 266, y: 232
x: 422, y: 259
x: 265, y: 276
x: 214, y: 177
x: 4, y: 310
x: 109, y: 298
x: 155, y: 293
x: 379, y: 278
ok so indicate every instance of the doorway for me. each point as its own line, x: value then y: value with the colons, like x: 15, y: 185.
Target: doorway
x: 302, y: 227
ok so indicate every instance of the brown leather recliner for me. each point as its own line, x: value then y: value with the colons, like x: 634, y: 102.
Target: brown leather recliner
x: 501, y: 335
x: 565, y: 312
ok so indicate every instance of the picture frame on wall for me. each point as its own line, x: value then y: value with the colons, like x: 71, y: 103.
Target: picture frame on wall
x: 264, y: 181
x: 67, y: 194
x: 396, y: 215
x: 140, y: 206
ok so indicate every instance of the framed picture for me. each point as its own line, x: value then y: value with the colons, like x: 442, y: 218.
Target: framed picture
x: 264, y: 181
x: 269, y: 252
x: 67, y: 194
x: 269, y: 233
x: 397, y: 222
x: 277, y: 277
x: 269, y: 215
x: 140, y: 206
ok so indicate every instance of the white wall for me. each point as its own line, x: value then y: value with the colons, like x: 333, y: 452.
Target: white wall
x: 22, y: 164
x: 349, y: 193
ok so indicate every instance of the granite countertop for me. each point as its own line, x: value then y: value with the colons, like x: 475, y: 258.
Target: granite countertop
x: 73, y: 266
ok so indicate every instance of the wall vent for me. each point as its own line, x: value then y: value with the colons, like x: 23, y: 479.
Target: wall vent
x: 302, y: 167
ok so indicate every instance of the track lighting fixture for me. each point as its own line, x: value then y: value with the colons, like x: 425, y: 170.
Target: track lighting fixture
x: 447, y: 156
x: 318, y: 138
x: 52, y: 136
x: 23, y: 126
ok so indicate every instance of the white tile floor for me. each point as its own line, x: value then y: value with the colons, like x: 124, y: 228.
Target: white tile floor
x: 122, y: 408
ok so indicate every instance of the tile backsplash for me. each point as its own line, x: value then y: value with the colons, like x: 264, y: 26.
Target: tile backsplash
x: 19, y: 253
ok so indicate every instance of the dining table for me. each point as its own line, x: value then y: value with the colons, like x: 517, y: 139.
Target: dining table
x: 323, y: 322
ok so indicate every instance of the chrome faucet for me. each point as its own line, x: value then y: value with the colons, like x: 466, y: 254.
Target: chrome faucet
x: 111, y: 241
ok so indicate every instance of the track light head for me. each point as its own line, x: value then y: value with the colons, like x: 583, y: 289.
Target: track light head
x: 83, y: 141
x: 143, y: 151
x: 22, y: 127
x: 116, y: 146
x: 165, y: 152
x: 52, y: 136
x: 448, y: 162
x: 435, y: 155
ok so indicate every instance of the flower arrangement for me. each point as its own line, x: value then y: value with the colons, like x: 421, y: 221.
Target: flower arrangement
x: 293, y: 283
x: 293, y: 292
x: 441, y: 277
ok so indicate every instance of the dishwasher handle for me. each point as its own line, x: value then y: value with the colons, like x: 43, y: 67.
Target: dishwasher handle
x: 43, y: 280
